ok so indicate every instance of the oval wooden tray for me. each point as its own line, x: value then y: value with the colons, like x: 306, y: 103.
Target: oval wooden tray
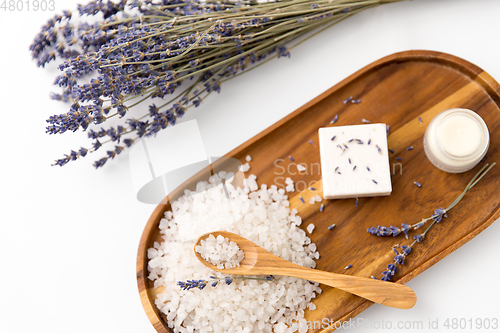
x: 395, y: 90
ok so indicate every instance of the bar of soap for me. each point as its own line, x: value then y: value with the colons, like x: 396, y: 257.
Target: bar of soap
x: 354, y: 161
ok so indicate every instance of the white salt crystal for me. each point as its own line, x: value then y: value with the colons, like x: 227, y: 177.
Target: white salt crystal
x: 280, y: 328
x: 245, y: 167
x: 289, y: 187
x: 297, y: 220
x: 360, y: 170
x: 312, y: 201
x: 318, y: 198
x: 300, y: 167
x: 250, y: 183
x: 310, y: 228
x: 312, y: 247
x: 248, y: 158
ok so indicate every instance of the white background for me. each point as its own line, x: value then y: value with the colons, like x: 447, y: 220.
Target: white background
x: 69, y: 236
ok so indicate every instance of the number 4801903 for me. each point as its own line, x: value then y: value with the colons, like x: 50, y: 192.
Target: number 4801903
x: 28, y: 5
x: 469, y: 323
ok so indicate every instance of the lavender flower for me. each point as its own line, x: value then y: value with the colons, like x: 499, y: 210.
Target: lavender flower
x: 383, y: 231
x: 191, y: 284
x: 399, y: 258
x: 389, y: 273
x: 142, y: 51
x: 419, y: 224
x: 405, y: 228
x: 439, y: 214
x: 418, y: 238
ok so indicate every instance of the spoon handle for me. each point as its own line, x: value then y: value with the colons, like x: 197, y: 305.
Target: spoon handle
x: 386, y: 293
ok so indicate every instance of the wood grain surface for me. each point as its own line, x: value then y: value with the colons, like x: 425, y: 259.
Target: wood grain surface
x: 395, y: 90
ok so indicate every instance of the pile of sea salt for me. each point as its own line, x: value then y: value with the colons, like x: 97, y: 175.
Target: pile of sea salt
x: 261, y: 215
x: 220, y: 251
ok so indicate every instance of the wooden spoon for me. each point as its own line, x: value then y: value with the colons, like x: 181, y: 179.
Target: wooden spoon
x: 258, y: 261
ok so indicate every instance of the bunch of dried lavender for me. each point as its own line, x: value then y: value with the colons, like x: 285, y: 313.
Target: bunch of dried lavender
x: 141, y: 50
x: 437, y: 217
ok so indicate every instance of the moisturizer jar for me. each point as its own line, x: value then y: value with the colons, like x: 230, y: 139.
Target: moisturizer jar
x: 456, y: 140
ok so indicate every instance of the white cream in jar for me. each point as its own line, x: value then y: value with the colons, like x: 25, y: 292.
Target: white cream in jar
x: 456, y: 140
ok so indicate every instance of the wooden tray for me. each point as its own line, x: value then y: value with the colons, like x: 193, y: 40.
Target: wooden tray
x: 395, y: 90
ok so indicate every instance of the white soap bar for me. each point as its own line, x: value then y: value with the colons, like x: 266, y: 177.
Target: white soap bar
x: 354, y: 161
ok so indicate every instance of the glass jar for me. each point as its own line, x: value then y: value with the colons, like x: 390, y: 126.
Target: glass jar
x: 456, y: 140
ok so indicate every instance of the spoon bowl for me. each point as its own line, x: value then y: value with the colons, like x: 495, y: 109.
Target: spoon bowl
x: 258, y: 261
x: 247, y: 265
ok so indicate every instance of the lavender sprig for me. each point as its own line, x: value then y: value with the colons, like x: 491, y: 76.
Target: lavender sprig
x: 438, y: 215
x: 400, y: 256
x: 139, y: 51
x: 214, y: 281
